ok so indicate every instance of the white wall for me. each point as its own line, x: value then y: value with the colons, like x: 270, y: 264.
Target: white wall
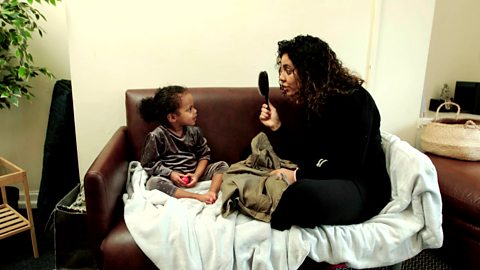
x: 194, y: 43
x: 23, y: 129
x: 115, y: 45
x: 455, y: 47
x: 399, y: 63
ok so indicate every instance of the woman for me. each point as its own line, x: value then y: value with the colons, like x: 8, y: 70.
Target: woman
x: 342, y: 176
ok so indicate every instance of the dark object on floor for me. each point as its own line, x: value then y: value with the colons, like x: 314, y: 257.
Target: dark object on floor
x: 459, y: 183
x: 72, y: 249
x: 60, y: 164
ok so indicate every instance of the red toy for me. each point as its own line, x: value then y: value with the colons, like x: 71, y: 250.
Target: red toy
x: 186, y: 179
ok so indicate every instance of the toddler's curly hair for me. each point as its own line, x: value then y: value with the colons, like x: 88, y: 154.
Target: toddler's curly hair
x: 165, y: 101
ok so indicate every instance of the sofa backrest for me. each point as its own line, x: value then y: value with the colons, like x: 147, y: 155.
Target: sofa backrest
x: 227, y: 116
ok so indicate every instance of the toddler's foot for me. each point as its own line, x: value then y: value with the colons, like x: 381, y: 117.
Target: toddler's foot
x: 213, y: 196
x: 208, y: 198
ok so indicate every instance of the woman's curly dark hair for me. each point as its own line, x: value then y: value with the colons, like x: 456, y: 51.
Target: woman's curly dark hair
x: 320, y: 72
x: 166, y: 100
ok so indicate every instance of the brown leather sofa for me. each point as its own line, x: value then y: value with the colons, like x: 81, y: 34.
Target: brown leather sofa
x: 459, y: 183
x: 228, y: 116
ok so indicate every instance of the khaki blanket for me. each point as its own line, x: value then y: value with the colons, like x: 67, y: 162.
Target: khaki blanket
x: 248, y: 186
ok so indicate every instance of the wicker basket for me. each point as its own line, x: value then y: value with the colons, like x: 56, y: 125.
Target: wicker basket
x: 455, y: 138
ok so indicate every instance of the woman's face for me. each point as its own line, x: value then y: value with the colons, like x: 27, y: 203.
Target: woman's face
x: 288, y: 77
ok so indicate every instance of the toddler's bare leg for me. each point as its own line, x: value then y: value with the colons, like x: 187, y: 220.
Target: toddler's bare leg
x: 215, y: 186
x: 206, y: 198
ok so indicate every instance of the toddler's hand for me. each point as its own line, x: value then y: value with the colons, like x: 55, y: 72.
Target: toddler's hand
x: 177, y: 179
x: 193, y: 180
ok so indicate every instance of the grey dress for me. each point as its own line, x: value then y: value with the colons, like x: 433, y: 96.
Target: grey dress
x: 164, y: 152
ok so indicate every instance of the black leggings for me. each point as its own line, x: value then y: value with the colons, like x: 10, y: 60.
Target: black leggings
x: 310, y: 202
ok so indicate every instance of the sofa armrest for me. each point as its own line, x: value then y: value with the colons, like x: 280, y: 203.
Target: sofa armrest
x: 104, y: 184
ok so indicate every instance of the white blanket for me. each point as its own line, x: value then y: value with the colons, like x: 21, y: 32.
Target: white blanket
x: 188, y: 234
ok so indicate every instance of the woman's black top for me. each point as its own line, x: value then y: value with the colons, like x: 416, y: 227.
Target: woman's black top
x: 343, y: 142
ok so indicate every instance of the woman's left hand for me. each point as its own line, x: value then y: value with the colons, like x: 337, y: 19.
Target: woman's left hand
x: 288, y: 174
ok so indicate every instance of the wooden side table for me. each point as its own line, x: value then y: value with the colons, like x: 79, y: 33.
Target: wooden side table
x: 12, y: 222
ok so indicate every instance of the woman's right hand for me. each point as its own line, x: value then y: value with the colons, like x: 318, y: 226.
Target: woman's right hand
x: 269, y: 117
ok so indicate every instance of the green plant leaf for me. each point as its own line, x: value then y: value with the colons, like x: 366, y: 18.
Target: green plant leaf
x: 17, y: 92
x: 18, y: 20
x: 14, y: 101
x: 26, y: 34
x: 22, y: 73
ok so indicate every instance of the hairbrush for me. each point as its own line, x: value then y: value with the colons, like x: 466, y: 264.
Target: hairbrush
x: 263, y: 86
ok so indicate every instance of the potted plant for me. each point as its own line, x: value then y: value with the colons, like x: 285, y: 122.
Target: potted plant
x: 18, y: 21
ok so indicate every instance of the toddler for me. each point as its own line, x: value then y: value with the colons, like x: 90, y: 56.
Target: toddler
x: 175, y: 154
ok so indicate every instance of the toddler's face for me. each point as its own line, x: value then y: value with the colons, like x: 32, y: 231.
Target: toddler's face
x: 187, y: 114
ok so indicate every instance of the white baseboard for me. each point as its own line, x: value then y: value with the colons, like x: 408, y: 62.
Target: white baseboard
x: 33, y: 199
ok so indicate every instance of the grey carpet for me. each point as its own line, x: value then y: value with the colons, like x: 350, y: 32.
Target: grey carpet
x: 425, y: 260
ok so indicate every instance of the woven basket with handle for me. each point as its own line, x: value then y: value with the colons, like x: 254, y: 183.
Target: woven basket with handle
x: 455, y: 138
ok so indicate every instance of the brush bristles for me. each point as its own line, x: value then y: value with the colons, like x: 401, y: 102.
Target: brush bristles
x: 263, y: 86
